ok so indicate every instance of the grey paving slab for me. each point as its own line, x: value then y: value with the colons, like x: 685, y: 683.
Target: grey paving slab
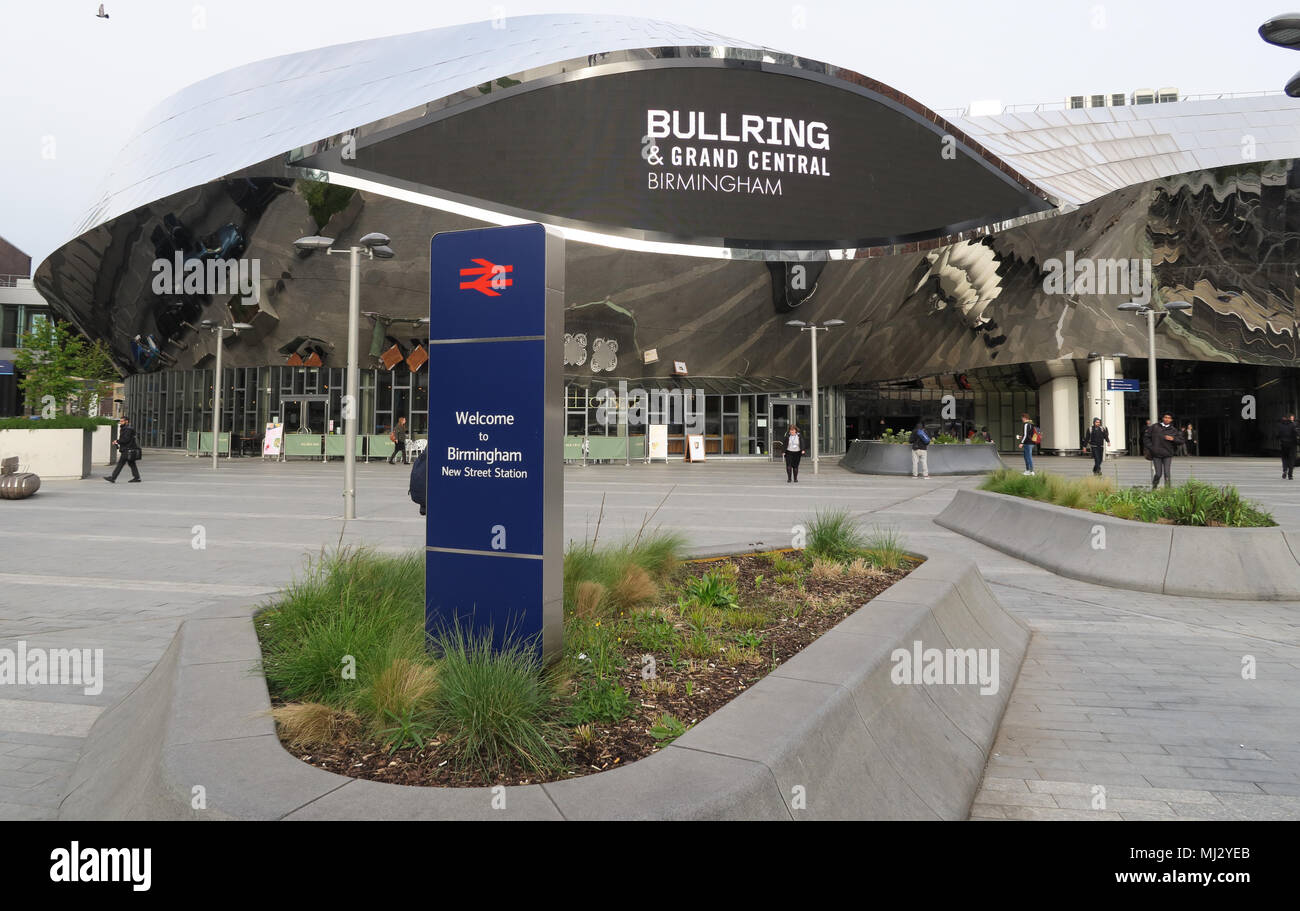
x: 1151, y: 673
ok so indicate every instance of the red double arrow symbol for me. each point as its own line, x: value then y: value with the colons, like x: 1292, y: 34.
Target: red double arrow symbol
x: 490, y: 277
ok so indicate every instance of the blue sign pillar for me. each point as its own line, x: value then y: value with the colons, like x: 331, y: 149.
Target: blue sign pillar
x: 494, y: 534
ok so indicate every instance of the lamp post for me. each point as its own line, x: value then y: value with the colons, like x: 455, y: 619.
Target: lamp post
x: 1138, y: 307
x: 813, y: 328
x: 220, y: 331
x: 375, y: 246
x: 1284, y: 31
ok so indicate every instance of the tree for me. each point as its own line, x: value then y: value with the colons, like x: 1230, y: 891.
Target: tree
x: 61, y: 370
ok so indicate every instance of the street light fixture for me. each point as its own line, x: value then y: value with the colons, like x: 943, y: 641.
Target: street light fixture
x: 813, y: 329
x: 375, y: 246
x: 1139, y: 307
x: 1284, y: 31
x: 220, y: 331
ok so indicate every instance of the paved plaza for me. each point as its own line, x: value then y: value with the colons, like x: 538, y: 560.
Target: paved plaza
x: 1138, y: 694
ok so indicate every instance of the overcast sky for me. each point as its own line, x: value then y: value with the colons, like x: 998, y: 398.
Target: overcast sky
x: 74, y: 86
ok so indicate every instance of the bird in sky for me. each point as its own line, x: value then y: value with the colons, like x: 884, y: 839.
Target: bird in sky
x: 101, y: 14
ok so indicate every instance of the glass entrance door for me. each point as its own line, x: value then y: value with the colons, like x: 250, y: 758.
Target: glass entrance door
x: 783, y: 412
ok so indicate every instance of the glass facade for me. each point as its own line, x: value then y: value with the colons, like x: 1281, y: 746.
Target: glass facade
x: 736, y: 417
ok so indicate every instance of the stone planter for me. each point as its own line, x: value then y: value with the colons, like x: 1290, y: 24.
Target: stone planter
x: 872, y: 457
x: 55, y: 455
x: 828, y: 735
x: 1249, y: 564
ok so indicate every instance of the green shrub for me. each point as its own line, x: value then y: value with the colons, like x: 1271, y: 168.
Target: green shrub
x: 352, y: 608
x: 494, y: 709
x: 614, y: 568
x: 884, y: 549
x: 1193, y: 503
x: 833, y: 535
x: 60, y: 422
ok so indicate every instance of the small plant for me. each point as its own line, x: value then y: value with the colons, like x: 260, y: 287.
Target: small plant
x: 657, y: 686
x: 584, y: 735
x: 783, y: 565
x: 743, y: 655
x: 311, y: 724
x: 758, y: 582
x: 712, y: 589
x: 701, y: 645
x: 825, y: 571
x: 786, y: 579
x: 667, y: 728
x: 749, y: 640
x: 690, y: 688
x: 600, y: 700
x: 860, y: 568
x: 745, y: 619
x: 406, y: 730
x: 587, y: 599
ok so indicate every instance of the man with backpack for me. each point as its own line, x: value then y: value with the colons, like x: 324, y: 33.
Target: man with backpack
x: 420, y: 478
x: 920, y: 441
x: 1096, y: 440
x: 1030, y: 436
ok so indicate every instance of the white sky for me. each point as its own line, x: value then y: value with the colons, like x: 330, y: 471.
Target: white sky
x: 84, y: 82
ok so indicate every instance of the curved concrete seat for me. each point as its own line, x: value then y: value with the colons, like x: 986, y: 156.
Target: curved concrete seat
x: 829, y: 734
x: 1250, y: 564
x: 871, y: 457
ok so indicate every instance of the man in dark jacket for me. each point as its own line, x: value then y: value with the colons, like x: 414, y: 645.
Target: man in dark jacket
x: 920, y: 441
x: 1161, y: 442
x: 1287, y: 436
x: 1096, y: 440
x: 420, y: 479
x: 127, y: 452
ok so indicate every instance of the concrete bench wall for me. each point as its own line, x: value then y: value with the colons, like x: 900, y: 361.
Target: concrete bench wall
x: 828, y: 728
x: 1252, y: 564
x: 871, y: 457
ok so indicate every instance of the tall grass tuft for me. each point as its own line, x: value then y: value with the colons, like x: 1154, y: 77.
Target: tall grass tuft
x: 884, y: 549
x: 629, y: 573
x: 493, y: 709
x: 352, y: 607
x: 311, y: 724
x: 833, y: 535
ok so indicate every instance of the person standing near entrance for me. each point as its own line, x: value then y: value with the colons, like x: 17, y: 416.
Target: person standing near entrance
x: 1028, y: 434
x: 793, y: 453
x: 128, y: 452
x: 1190, y: 446
x: 920, y: 441
x: 1287, y: 436
x: 398, y: 436
x: 1098, y: 437
x: 1161, y: 442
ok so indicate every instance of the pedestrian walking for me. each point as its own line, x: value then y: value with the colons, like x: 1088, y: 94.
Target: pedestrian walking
x: 128, y: 452
x: 920, y: 441
x: 793, y: 453
x: 1161, y: 442
x: 1030, y: 436
x: 1287, y: 435
x: 1097, y: 438
x: 398, y: 436
x: 1190, y: 447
